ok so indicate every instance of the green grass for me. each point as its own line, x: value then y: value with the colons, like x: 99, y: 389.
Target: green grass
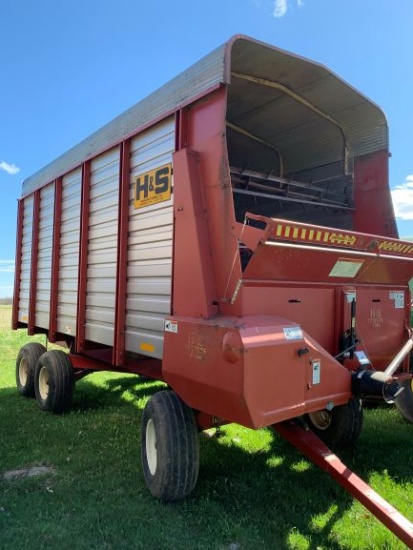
x: 254, y: 490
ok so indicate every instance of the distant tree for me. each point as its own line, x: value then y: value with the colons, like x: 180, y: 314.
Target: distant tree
x: 8, y: 300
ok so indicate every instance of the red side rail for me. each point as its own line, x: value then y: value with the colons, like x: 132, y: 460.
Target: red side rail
x: 54, y: 286
x: 82, y: 281
x: 118, y: 358
x: 19, y: 239
x: 313, y: 448
x: 34, y: 261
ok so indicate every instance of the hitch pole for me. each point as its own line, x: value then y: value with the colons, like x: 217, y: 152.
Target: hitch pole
x: 313, y: 448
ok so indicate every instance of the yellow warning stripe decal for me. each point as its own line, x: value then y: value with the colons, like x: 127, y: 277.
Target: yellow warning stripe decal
x: 340, y: 238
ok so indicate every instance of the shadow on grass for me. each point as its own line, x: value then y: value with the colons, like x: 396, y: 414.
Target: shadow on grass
x: 283, y: 499
x: 91, y: 396
x: 297, y: 498
x: 265, y: 498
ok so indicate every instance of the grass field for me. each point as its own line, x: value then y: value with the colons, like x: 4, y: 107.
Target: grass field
x: 254, y: 490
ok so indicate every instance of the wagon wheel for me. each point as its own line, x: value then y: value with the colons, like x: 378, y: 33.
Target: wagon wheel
x: 169, y: 447
x: 339, y: 427
x: 26, y: 361
x: 54, y: 381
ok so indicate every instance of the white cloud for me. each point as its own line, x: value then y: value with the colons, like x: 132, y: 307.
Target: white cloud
x: 280, y: 8
x: 11, y: 169
x: 7, y: 266
x: 402, y: 196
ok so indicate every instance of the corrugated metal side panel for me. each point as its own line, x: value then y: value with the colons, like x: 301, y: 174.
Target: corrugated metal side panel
x: 69, y: 253
x: 44, y: 262
x: 149, y: 248
x: 102, y: 248
x: 26, y: 260
x: 193, y: 82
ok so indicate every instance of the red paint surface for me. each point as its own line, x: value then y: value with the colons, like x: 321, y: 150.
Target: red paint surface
x: 206, y: 127
x: 17, y: 273
x: 374, y: 208
x: 122, y: 262
x: 82, y: 280
x: 246, y: 370
x: 54, y: 286
x: 193, y: 288
x: 34, y: 261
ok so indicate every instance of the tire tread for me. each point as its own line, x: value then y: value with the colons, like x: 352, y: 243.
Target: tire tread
x: 61, y: 381
x: 345, y: 427
x: 32, y: 353
x: 178, y: 447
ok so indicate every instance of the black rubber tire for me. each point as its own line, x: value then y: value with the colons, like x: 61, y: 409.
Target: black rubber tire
x: 404, y: 402
x: 339, y: 427
x: 169, y: 447
x: 26, y: 362
x: 54, y: 382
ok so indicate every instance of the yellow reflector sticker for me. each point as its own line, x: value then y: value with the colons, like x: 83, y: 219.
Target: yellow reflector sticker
x: 147, y: 347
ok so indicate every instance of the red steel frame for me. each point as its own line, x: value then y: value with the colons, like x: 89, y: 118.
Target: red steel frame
x: 118, y: 357
x: 17, y: 273
x: 83, y: 255
x: 54, y: 286
x: 34, y: 261
x: 372, y: 194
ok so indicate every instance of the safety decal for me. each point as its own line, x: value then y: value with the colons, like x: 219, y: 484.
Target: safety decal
x: 171, y: 326
x: 398, y: 298
x: 316, y: 366
x: 346, y: 239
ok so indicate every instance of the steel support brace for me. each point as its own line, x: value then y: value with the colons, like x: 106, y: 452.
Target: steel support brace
x: 34, y: 262
x: 54, y: 283
x: 17, y: 273
x: 118, y: 357
x: 82, y: 277
x: 314, y: 449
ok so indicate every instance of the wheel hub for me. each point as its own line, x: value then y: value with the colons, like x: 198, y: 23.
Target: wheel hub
x: 23, y: 371
x: 321, y: 419
x: 43, y: 383
x: 151, y: 450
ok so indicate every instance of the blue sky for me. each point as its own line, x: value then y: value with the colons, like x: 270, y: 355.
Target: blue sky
x: 67, y: 68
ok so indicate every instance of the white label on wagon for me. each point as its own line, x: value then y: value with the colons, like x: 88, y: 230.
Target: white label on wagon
x: 346, y: 268
x: 316, y: 364
x: 398, y: 298
x: 171, y: 326
x: 293, y: 333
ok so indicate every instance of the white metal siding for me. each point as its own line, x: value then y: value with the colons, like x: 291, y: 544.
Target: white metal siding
x: 26, y: 260
x: 149, y: 248
x: 44, y: 261
x: 69, y: 252
x: 102, y: 247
